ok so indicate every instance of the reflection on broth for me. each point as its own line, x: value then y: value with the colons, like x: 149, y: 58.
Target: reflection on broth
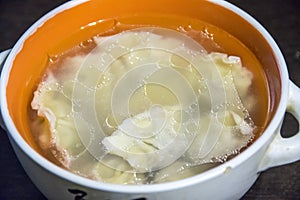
x: 141, y: 104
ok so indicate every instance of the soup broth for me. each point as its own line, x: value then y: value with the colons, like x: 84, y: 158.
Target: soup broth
x: 162, y: 104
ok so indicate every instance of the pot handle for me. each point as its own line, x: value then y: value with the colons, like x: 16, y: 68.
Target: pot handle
x: 3, y: 56
x: 285, y: 150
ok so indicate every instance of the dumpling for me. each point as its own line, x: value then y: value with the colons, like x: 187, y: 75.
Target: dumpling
x: 152, y: 140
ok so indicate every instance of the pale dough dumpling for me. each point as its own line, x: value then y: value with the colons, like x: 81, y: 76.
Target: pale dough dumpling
x: 144, y: 104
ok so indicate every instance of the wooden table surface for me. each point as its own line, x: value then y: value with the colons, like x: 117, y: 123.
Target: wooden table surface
x: 280, y: 18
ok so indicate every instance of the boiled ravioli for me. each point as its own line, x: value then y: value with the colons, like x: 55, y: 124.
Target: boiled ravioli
x: 145, y: 103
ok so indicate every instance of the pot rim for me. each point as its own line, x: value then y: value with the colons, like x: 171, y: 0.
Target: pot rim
x: 159, y: 187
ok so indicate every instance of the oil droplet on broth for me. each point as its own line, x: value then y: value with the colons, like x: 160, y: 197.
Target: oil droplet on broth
x: 86, y: 43
x: 53, y: 58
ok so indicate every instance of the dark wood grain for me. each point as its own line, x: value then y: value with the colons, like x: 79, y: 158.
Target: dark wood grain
x: 280, y: 18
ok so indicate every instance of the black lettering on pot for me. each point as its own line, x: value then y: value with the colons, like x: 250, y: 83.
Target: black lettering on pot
x: 79, y: 194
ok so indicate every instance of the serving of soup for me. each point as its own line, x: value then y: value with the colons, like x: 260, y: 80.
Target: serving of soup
x: 150, y: 99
